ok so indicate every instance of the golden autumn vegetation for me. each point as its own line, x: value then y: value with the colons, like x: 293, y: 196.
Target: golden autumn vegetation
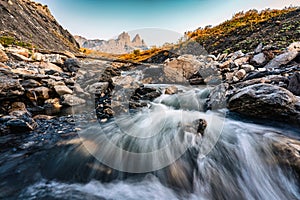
x: 95, y: 53
x: 240, y: 19
x: 139, y: 55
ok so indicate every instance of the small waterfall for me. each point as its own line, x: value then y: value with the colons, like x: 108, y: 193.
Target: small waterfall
x: 243, y: 166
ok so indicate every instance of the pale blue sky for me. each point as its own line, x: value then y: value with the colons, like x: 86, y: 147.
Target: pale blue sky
x: 104, y: 19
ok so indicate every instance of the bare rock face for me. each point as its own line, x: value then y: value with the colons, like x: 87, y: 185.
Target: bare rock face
x: 32, y: 23
x: 137, y: 41
x: 80, y: 40
x: 124, y: 39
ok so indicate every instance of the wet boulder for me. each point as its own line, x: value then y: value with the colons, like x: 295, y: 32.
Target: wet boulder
x: 217, y: 98
x: 287, y: 152
x: 171, y: 90
x: 19, y: 119
x: 71, y: 65
x: 266, y: 101
x: 145, y: 93
x: 153, y: 75
x: 294, y: 84
x: 19, y: 125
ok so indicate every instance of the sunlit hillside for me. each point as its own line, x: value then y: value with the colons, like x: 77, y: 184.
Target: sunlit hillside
x: 247, y: 29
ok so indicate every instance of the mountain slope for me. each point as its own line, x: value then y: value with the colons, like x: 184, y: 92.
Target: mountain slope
x: 32, y: 23
x: 246, y: 30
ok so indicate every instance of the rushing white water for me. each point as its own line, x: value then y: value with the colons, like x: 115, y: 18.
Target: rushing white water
x: 242, y: 166
x: 238, y: 164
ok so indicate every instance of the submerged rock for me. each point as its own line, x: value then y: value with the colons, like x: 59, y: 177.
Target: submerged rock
x: 287, y: 151
x: 197, y: 127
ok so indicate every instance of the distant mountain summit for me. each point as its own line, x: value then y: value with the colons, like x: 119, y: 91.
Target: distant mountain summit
x: 123, y: 44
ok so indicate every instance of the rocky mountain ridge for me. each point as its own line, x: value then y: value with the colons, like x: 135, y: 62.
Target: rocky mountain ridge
x: 31, y: 24
x: 123, y: 44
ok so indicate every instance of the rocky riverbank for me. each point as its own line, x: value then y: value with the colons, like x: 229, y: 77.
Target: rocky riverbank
x: 38, y: 90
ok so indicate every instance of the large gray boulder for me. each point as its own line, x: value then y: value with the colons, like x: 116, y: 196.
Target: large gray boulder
x: 266, y: 101
x: 282, y: 59
x: 294, y: 84
x: 259, y: 59
x: 10, y: 87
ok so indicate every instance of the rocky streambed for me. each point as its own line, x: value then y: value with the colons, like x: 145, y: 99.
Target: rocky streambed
x: 245, y: 106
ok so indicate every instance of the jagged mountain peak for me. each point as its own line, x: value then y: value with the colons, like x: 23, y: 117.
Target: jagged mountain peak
x: 124, y: 36
x: 123, y: 44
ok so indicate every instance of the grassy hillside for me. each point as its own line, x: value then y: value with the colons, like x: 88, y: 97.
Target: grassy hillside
x: 246, y: 30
